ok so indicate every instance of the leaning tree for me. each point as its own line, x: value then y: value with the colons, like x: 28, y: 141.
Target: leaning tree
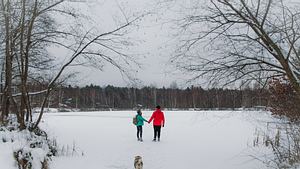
x: 29, y: 28
x: 241, y: 40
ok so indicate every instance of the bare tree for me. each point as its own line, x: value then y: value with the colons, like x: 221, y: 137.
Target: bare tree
x: 86, y: 48
x: 29, y: 27
x: 229, y: 41
x: 5, y: 8
x: 27, y: 24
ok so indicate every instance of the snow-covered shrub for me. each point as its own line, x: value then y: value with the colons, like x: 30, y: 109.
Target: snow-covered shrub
x: 30, y: 149
x: 283, y: 139
x: 24, y: 159
x: 31, y: 158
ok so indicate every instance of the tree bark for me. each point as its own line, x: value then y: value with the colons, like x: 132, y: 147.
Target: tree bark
x: 8, y: 62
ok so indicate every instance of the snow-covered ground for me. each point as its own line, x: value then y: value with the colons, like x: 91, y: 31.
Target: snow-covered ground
x: 190, y: 140
x: 22, y: 145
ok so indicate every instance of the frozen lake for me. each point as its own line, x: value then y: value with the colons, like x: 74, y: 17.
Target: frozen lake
x: 190, y: 140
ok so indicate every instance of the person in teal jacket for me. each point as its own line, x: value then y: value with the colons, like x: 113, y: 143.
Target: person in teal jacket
x: 139, y: 125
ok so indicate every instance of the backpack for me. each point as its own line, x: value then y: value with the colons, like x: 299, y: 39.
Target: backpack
x: 134, y: 120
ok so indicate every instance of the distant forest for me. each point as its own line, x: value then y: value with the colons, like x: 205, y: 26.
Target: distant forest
x: 110, y: 97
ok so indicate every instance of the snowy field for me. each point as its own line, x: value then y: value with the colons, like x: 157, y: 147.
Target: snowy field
x: 190, y: 140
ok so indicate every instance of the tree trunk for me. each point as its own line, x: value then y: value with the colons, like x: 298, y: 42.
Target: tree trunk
x: 8, y: 63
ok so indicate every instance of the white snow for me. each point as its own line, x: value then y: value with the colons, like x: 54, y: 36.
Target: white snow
x: 13, y: 141
x: 190, y: 140
x: 6, y: 157
x: 46, y: 110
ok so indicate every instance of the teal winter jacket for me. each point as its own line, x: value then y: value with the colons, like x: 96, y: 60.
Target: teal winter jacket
x: 140, y: 120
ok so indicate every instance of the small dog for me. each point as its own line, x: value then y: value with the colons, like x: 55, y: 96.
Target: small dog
x: 138, y: 162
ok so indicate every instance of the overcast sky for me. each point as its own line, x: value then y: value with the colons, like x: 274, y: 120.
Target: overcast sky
x: 154, y: 37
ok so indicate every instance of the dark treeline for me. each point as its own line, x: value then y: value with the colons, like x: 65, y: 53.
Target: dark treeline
x: 95, y: 97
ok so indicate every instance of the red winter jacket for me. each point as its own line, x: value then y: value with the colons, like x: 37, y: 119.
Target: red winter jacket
x: 159, y: 118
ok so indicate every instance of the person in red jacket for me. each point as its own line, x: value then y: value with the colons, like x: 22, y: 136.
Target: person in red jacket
x: 158, y: 121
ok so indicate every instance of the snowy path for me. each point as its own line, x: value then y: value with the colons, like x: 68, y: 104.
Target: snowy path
x: 190, y: 140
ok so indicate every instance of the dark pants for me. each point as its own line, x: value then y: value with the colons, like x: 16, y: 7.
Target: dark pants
x: 157, y: 131
x: 139, y: 133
